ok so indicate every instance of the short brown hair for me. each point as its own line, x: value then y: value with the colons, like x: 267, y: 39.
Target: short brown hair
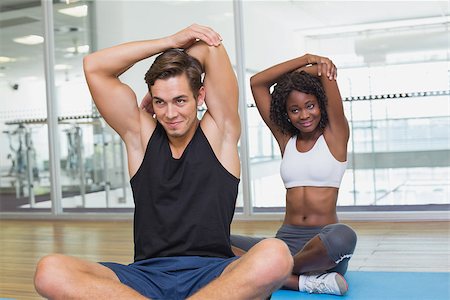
x: 175, y: 62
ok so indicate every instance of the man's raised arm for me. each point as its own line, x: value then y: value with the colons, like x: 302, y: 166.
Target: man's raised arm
x: 220, y: 85
x: 221, y: 122
x: 116, y: 101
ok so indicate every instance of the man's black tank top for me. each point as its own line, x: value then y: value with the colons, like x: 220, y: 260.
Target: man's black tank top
x: 183, y: 207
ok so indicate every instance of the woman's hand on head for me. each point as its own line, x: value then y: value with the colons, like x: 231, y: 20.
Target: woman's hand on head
x: 324, y: 65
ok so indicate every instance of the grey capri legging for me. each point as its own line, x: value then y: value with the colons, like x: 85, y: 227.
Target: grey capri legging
x: 339, y: 240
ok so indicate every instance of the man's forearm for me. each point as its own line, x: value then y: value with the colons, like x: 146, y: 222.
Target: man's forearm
x: 115, y: 60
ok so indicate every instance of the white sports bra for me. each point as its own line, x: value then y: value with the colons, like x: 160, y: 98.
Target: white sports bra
x: 317, y: 167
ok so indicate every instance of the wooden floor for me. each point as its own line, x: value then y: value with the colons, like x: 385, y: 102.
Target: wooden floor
x: 421, y: 247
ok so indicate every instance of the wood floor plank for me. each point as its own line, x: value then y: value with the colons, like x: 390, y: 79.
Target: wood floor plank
x: 382, y: 246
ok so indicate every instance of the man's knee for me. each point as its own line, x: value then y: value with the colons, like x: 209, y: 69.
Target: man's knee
x: 47, y: 278
x: 276, y: 261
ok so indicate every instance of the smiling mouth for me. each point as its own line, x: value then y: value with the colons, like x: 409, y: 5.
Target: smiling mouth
x: 306, y: 124
x: 173, y: 124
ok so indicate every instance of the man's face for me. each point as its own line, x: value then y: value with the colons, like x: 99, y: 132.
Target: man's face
x: 174, y: 105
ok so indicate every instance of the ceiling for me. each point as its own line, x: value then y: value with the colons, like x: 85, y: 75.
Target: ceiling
x: 25, y: 17
x: 20, y: 18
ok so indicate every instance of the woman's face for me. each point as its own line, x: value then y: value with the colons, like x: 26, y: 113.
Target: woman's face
x: 303, y: 111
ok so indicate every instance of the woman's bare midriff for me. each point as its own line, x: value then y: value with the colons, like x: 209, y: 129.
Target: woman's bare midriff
x: 311, y: 206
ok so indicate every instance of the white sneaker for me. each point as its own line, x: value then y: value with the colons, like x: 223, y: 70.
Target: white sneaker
x: 325, y: 283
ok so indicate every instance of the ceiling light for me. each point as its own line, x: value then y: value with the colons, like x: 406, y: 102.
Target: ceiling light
x: 76, y: 11
x: 62, y: 67
x: 29, y: 78
x: 5, y: 59
x: 29, y: 39
x: 407, y: 24
x: 79, y: 49
x: 404, y: 57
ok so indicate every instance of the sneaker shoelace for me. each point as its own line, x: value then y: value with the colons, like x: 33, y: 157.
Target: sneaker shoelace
x: 317, y: 284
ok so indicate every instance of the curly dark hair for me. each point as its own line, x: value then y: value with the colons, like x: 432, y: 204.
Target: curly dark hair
x: 174, y: 62
x: 302, y: 82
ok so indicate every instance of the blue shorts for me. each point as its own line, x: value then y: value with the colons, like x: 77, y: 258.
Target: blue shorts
x: 170, y: 278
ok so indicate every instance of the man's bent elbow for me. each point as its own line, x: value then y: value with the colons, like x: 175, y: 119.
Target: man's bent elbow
x: 88, y: 64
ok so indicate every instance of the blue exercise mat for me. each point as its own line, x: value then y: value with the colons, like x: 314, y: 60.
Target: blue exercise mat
x: 384, y: 286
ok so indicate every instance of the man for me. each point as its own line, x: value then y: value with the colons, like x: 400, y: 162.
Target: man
x: 184, y: 176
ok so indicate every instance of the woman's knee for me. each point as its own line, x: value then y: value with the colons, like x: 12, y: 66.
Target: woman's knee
x: 244, y: 242
x: 339, y: 240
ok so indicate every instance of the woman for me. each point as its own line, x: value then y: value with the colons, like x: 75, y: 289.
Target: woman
x: 306, y: 116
